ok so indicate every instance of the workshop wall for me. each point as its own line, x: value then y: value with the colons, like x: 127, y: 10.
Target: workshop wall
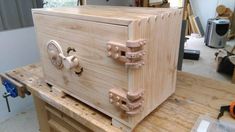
x: 18, y: 48
x: 206, y: 9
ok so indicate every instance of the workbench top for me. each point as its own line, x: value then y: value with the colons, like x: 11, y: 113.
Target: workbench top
x: 194, y: 96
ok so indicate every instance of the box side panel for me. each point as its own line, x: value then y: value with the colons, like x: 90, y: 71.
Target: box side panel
x: 89, y: 39
x: 158, y: 75
x: 162, y: 56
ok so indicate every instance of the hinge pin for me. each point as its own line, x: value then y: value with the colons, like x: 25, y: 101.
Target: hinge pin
x: 130, y: 53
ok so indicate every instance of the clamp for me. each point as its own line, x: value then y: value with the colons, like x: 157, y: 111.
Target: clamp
x: 13, y: 89
x: 229, y: 108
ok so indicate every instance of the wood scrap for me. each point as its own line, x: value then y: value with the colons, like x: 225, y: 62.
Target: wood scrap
x: 221, y: 9
x: 189, y: 9
x: 193, y: 22
x: 197, y: 30
x: 186, y: 28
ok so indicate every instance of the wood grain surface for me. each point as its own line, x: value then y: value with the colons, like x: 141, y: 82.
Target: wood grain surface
x: 88, y: 29
x: 194, y: 96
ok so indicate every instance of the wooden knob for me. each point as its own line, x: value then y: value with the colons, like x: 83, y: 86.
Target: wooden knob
x: 116, y: 56
x: 109, y: 53
x: 111, y: 101
x: 116, y: 49
x: 109, y: 47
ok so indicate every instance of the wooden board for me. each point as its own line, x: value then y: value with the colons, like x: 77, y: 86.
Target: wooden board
x: 194, y: 96
x: 193, y: 24
x: 88, y: 29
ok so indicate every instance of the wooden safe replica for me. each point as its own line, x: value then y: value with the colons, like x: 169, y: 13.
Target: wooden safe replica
x: 121, y: 61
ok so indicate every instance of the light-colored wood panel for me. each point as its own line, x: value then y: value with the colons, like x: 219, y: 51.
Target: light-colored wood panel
x: 98, y: 68
x: 61, y: 122
x: 41, y: 115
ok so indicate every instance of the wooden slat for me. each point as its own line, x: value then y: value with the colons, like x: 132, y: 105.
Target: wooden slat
x: 192, y: 24
x: 41, y: 114
x: 197, y: 30
x: 64, y: 121
x: 57, y: 127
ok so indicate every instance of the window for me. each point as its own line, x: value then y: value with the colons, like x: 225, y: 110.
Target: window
x: 60, y: 3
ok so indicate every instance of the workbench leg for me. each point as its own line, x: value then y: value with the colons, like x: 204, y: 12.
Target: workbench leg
x: 233, y: 79
x: 120, y: 125
x: 41, y: 114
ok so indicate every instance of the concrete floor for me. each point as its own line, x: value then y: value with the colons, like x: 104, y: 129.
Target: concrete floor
x: 23, y: 122
x: 205, y: 66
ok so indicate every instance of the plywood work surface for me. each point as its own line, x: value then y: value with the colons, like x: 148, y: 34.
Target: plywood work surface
x: 194, y: 96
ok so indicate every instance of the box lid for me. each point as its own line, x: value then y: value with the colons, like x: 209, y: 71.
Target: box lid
x: 106, y: 14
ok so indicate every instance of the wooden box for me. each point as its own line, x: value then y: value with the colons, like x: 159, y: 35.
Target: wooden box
x: 119, y: 60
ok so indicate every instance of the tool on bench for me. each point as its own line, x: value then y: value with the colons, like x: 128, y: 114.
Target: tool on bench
x: 13, y: 88
x: 229, y: 108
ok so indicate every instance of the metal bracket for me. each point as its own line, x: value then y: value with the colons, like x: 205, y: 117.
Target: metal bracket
x: 130, y: 103
x: 130, y: 53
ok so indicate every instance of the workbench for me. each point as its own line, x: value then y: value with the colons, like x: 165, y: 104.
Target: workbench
x: 194, y: 96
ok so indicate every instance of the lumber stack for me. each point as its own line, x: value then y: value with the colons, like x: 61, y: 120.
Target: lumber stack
x: 193, y: 24
x: 224, y: 12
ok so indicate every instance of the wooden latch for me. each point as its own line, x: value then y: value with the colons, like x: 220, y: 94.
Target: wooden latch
x: 130, y: 103
x: 130, y: 53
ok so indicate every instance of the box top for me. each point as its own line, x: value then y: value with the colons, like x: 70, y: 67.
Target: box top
x: 107, y: 14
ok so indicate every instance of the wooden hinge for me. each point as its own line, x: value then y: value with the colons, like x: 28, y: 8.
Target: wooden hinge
x: 130, y: 103
x: 130, y: 53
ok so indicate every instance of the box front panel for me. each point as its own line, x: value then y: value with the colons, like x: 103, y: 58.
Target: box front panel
x: 100, y: 73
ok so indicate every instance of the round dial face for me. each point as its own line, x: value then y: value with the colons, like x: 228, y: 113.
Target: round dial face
x: 53, y: 50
